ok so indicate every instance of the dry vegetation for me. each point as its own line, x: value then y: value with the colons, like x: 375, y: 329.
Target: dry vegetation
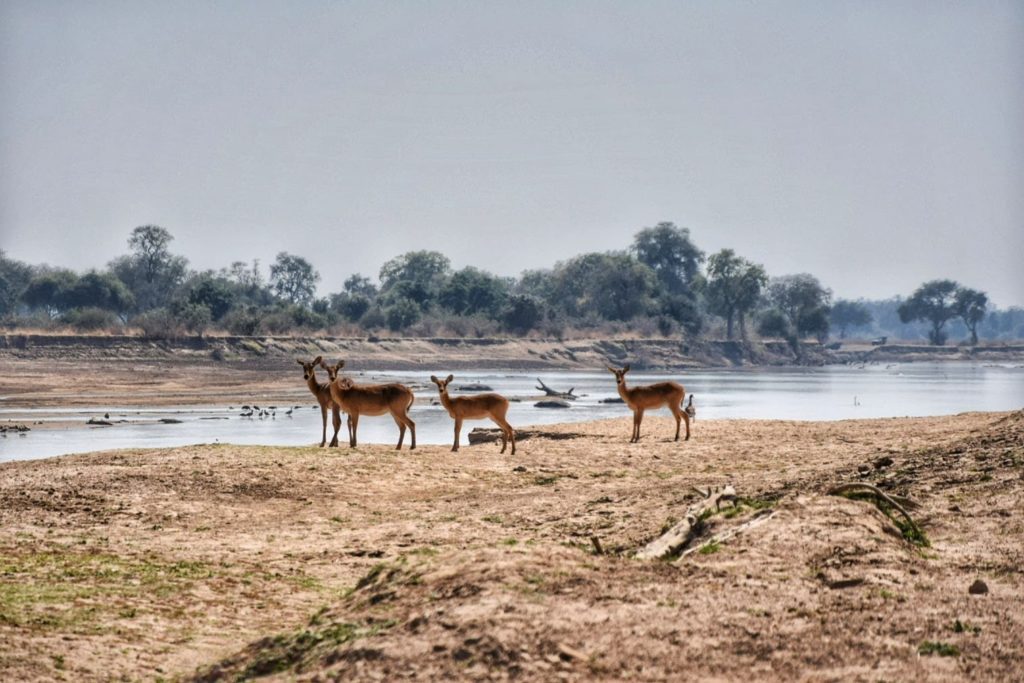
x: 224, y: 562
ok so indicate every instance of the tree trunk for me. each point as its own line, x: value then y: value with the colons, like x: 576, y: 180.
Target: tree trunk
x: 676, y: 537
x: 728, y: 328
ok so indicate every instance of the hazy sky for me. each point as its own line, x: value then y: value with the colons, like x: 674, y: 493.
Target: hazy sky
x: 874, y: 144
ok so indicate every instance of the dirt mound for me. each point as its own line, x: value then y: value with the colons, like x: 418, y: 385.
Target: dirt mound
x: 827, y: 585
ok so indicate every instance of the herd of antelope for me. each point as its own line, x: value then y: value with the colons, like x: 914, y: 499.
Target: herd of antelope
x: 341, y: 394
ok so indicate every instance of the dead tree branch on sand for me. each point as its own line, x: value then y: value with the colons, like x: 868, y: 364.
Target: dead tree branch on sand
x: 854, y: 487
x: 680, y: 534
x: 759, y: 518
x: 558, y: 394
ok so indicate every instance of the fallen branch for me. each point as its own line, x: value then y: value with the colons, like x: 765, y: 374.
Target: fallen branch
x: 878, y: 493
x: 759, y: 518
x: 680, y: 534
x: 557, y: 394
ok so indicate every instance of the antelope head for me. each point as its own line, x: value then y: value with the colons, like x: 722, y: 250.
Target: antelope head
x: 307, y: 368
x: 442, y: 384
x: 332, y: 370
x: 620, y: 375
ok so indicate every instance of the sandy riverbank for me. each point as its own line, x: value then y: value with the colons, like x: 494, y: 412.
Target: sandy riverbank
x: 373, y: 564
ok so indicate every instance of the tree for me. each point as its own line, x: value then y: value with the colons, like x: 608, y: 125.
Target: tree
x: 471, y: 291
x: 151, y: 272
x: 103, y: 291
x: 522, y: 313
x: 359, y: 284
x: 415, y: 275
x: 846, y: 314
x: 671, y: 254
x: 802, y: 303
x: 294, y: 279
x: 217, y: 294
x: 734, y: 287
x: 14, y: 279
x: 613, y: 286
x: 934, y: 301
x: 971, y: 307
x: 49, y: 290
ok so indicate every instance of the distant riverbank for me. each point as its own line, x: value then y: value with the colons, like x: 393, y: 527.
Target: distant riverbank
x: 378, y: 353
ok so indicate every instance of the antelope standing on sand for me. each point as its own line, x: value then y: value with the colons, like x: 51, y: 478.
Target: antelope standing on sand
x: 322, y: 392
x: 371, y: 399
x: 477, y: 407
x: 652, y: 396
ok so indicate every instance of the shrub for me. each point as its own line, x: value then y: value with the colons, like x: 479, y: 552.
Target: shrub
x: 158, y: 323
x: 90, y: 318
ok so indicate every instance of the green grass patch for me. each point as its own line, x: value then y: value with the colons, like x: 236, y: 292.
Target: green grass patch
x: 77, y: 591
x: 282, y: 652
x: 965, y: 627
x: 545, y: 481
x: 929, y: 647
x: 709, y: 548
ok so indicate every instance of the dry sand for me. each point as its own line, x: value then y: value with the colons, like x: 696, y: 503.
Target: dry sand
x: 223, y: 562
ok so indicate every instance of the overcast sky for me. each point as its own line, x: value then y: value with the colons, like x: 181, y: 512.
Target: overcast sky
x: 873, y: 144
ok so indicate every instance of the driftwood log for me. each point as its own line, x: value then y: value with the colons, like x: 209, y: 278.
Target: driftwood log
x: 680, y: 534
x: 759, y: 518
x: 567, y: 395
x: 490, y: 435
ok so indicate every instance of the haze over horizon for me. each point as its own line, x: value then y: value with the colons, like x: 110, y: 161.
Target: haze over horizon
x: 875, y: 146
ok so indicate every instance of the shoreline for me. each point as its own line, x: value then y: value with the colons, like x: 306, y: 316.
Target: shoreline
x: 207, y: 562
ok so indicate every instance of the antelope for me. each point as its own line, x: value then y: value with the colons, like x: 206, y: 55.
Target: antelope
x: 477, y: 407
x: 322, y: 392
x: 652, y: 396
x: 371, y: 399
x: 691, y: 409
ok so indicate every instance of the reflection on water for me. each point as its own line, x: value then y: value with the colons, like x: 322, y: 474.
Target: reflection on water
x: 829, y: 393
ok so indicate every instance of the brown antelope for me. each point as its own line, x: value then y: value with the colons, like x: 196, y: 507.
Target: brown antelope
x: 652, y: 396
x: 322, y: 392
x: 477, y: 407
x: 371, y: 399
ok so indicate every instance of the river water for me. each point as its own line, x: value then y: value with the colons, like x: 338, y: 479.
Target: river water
x: 826, y: 393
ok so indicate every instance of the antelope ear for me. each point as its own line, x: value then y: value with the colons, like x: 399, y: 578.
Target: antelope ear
x: 449, y: 379
x: 341, y: 364
x: 611, y: 369
x: 318, y: 359
x: 299, y: 362
x: 434, y: 379
x: 625, y: 369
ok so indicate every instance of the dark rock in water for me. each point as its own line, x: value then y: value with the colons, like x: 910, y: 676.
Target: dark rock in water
x: 102, y: 423
x: 979, y: 587
x: 474, y: 387
x: 552, y: 403
x: 885, y: 461
x: 611, y: 400
x: 863, y: 469
x: 170, y: 421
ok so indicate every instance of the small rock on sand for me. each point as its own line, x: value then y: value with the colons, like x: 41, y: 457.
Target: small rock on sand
x: 979, y: 587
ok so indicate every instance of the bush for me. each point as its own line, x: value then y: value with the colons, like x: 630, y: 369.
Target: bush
x: 401, y: 314
x: 373, y: 319
x: 158, y: 323
x: 244, y: 321
x: 90, y: 319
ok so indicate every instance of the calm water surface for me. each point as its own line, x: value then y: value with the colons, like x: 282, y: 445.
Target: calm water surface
x: 829, y: 393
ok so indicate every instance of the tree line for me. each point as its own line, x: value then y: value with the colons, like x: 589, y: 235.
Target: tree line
x: 661, y: 284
